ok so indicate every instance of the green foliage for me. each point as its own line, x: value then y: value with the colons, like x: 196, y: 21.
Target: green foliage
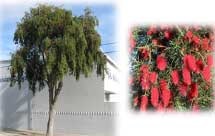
x: 54, y: 43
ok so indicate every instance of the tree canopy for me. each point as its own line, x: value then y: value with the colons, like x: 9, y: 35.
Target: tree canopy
x: 53, y: 43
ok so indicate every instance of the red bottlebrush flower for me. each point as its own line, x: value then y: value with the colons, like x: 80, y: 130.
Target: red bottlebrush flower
x: 144, y: 68
x: 167, y: 34
x: 199, y: 66
x: 155, y: 41
x: 211, y: 47
x: 135, y: 101
x: 161, y: 62
x: 183, y: 89
x: 163, y: 84
x: 153, y: 77
x: 144, y: 103
x: 186, y: 76
x: 193, y: 91
x: 196, y: 40
x: 145, y: 84
x: 165, y: 92
x: 151, y: 30
x: 132, y: 42
x: 175, y: 77
x: 166, y: 95
x: 144, y: 77
x: 144, y: 54
x: 206, y: 73
x: 210, y: 60
x: 190, y: 62
x: 205, y: 44
x: 189, y: 35
x: 154, y: 96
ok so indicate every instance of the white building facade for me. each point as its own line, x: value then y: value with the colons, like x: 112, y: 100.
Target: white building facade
x: 86, y: 106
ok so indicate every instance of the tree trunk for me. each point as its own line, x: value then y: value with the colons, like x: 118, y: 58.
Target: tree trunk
x: 53, y: 96
x: 50, y: 125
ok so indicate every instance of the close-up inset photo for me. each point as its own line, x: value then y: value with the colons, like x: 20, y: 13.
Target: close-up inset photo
x: 171, y: 68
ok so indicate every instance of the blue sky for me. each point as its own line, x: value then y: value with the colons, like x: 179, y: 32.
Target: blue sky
x: 12, y: 14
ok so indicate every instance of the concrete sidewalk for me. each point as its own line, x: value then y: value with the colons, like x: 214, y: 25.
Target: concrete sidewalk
x: 29, y: 133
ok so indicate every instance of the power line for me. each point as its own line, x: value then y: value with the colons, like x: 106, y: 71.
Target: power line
x: 108, y: 43
x: 110, y: 52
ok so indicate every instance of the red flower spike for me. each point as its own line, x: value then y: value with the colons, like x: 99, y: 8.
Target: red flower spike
x: 163, y: 84
x: 166, y: 95
x: 152, y: 30
x: 190, y: 62
x: 154, y: 96
x: 186, y: 76
x: 153, y: 77
x: 189, y: 35
x: 132, y: 42
x: 149, y: 32
x: 205, y: 44
x: 145, y: 84
x: 206, y: 73
x: 161, y: 62
x: 183, y: 89
x: 165, y: 92
x: 175, y: 77
x: 193, y: 91
x: 144, y: 68
x: 210, y: 60
x: 196, y: 40
x: 144, y: 103
x: 144, y: 77
x: 199, y: 66
x: 167, y: 35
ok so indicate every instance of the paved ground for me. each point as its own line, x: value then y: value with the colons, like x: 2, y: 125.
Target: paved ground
x: 30, y: 133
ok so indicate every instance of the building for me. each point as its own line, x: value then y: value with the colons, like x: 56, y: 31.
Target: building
x: 86, y: 106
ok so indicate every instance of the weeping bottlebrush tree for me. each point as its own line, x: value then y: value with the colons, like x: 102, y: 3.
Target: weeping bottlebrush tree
x: 54, y: 43
x: 171, y: 68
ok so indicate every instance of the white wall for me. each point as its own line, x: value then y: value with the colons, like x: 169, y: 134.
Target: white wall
x: 80, y: 107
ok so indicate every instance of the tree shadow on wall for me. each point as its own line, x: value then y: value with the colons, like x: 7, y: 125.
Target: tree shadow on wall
x: 15, y: 107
